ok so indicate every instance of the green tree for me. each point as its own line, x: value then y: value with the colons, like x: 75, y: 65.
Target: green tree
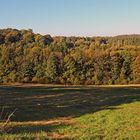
x: 69, y: 69
x: 52, y: 68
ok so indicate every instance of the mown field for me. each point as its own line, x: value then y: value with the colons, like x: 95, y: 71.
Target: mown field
x: 80, y: 112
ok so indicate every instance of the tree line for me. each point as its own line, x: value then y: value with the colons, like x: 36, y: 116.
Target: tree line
x: 26, y: 57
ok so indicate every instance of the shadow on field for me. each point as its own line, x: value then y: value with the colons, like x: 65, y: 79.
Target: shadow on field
x: 45, y: 103
x: 34, y: 129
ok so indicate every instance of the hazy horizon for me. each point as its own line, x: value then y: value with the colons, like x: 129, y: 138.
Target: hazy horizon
x: 72, y: 18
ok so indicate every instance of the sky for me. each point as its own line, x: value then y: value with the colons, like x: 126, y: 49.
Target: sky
x: 72, y: 17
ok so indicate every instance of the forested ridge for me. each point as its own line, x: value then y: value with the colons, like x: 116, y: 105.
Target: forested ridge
x: 27, y: 57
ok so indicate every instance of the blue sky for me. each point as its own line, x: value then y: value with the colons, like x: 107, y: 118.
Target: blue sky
x: 72, y: 17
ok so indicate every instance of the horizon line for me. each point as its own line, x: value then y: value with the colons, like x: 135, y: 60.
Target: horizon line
x: 60, y: 35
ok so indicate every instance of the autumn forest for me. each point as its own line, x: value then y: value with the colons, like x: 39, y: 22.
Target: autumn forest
x: 26, y: 57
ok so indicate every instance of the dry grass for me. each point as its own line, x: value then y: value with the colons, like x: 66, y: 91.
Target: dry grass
x: 61, y: 85
x: 58, y: 121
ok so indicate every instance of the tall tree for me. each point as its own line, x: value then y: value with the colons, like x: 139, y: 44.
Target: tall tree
x: 52, y: 68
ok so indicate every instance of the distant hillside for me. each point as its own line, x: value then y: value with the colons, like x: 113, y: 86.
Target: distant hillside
x: 34, y: 58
